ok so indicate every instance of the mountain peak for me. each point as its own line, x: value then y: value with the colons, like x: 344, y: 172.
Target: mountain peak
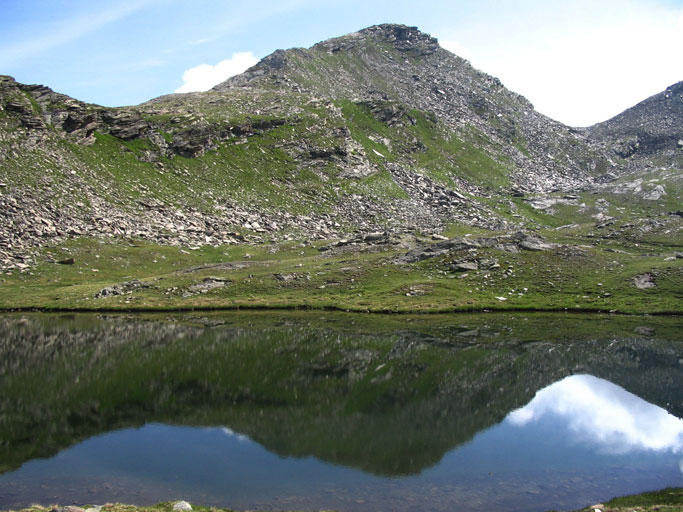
x: 385, y: 41
x: 402, y: 37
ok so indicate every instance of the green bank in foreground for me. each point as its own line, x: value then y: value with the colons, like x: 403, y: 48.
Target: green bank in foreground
x: 381, y: 274
x: 666, y: 500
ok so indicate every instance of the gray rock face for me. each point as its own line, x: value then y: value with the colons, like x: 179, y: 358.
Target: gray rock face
x: 206, y: 285
x: 466, y: 266
x: 121, y: 289
x: 508, y: 243
x: 416, y: 72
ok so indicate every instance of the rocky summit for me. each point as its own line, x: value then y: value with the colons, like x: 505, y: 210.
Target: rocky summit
x: 377, y: 139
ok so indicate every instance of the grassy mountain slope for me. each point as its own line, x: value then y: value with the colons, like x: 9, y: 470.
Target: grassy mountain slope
x: 368, y: 143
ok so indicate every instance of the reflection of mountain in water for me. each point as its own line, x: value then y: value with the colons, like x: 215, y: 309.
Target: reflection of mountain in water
x: 387, y: 400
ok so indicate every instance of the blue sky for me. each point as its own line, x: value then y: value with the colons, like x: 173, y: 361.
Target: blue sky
x: 578, y: 61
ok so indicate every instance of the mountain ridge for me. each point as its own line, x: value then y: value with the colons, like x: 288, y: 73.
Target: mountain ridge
x: 400, y: 63
x: 651, y: 126
x: 376, y: 138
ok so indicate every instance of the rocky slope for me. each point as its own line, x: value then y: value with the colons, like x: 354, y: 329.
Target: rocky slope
x: 652, y: 129
x: 406, y: 68
x: 376, y: 131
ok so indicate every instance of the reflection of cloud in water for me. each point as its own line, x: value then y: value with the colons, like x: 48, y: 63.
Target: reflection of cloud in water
x: 599, y: 411
x: 229, y: 432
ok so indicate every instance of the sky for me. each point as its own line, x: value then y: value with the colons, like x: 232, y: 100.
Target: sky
x: 578, y: 61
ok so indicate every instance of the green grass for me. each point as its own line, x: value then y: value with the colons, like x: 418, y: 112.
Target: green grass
x: 666, y: 500
x: 669, y: 496
x: 448, y: 155
x: 589, y: 279
x: 272, y: 171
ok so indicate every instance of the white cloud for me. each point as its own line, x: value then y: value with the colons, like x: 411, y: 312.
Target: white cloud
x: 606, y: 414
x: 577, y: 62
x: 231, y: 433
x: 456, y: 48
x: 205, y: 76
x: 587, y: 79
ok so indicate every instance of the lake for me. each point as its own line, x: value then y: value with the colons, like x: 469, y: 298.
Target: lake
x: 312, y: 410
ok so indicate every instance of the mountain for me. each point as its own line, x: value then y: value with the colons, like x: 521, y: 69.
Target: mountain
x: 376, y: 138
x: 650, y: 131
x: 403, y: 67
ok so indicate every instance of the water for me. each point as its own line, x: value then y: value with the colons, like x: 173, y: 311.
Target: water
x: 488, y: 412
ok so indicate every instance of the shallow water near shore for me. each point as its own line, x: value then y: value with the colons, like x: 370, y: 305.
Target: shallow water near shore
x: 348, y: 412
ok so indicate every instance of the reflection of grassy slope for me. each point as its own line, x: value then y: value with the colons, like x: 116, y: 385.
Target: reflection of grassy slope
x: 390, y: 401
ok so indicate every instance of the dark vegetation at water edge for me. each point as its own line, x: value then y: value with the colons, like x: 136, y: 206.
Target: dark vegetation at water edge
x: 666, y: 500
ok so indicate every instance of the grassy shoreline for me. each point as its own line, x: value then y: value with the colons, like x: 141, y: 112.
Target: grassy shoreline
x: 131, y: 275
x: 336, y: 309
x: 665, y: 500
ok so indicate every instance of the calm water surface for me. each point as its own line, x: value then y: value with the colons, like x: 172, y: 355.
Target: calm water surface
x: 492, y: 412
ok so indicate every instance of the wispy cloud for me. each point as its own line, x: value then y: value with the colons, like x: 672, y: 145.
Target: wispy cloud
x: 205, y: 76
x: 149, y: 63
x: 66, y: 30
x: 244, y: 16
x: 203, y: 40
